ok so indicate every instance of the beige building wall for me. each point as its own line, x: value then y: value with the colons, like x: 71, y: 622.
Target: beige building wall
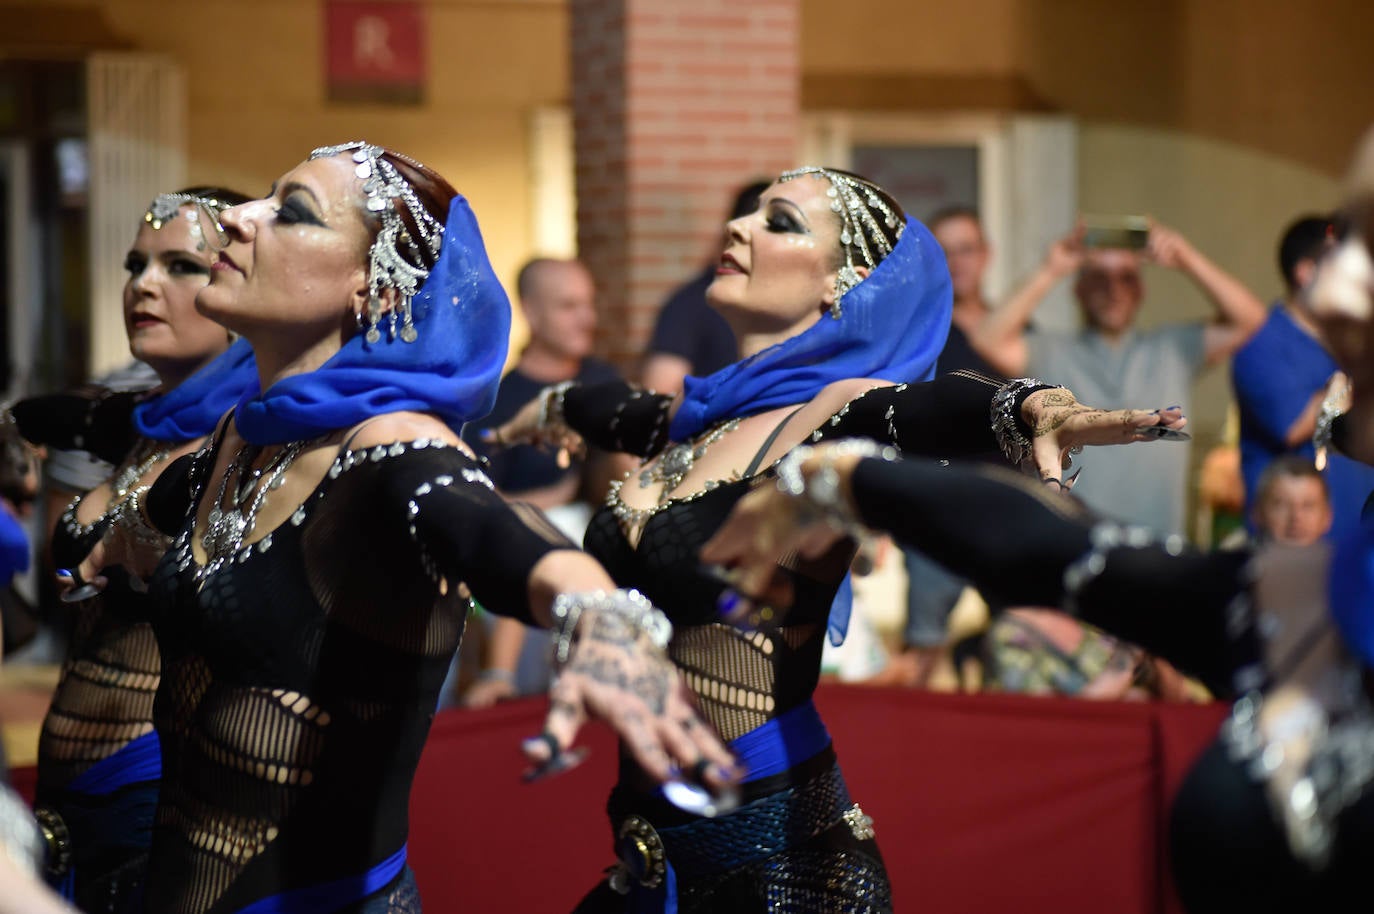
x: 257, y: 103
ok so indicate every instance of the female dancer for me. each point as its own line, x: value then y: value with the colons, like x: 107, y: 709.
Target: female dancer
x: 1278, y: 815
x: 828, y: 287
x: 98, y: 757
x: 329, y: 536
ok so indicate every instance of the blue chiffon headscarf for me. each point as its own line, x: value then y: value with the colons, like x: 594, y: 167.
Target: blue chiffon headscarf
x: 462, y: 318
x: 892, y: 326
x: 193, y: 408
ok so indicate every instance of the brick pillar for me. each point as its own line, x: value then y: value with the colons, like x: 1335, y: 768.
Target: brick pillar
x: 676, y: 103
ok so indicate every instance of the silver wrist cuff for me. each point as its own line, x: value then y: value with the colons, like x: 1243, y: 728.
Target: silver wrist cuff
x: 629, y: 606
x: 1005, y: 425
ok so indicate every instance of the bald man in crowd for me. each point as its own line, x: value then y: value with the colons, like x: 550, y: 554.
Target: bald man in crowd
x: 558, y: 299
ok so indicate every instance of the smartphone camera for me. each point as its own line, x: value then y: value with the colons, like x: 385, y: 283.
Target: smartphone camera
x: 1131, y: 233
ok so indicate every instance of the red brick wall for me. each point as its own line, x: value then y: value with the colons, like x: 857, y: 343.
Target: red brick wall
x: 676, y: 103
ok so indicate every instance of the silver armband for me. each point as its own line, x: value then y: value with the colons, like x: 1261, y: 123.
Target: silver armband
x: 629, y: 606
x: 1005, y: 425
x: 821, y: 493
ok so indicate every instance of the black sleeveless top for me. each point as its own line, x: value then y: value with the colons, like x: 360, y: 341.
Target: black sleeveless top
x: 300, y: 677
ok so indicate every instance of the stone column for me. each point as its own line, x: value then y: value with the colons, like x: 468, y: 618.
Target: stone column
x: 676, y: 103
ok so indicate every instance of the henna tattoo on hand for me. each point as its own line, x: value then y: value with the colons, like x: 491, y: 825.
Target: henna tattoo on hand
x: 651, y: 687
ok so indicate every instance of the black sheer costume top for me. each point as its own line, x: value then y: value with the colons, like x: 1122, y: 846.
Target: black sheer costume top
x: 104, y: 699
x: 301, y: 675
x: 741, y: 678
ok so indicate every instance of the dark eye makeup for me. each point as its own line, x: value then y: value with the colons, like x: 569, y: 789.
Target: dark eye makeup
x: 294, y: 212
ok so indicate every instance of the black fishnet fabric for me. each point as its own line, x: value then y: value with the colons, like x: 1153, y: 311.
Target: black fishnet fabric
x: 743, y: 679
x: 104, y: 698
x: 300, y: 681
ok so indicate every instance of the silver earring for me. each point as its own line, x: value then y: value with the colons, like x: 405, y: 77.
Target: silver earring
x: 358, y: 320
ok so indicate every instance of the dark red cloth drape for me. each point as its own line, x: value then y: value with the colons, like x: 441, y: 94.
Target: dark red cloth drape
x: 981, y: 803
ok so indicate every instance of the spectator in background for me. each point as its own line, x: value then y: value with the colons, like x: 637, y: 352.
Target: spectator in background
x: 1110, y: 362
x: 689, y: 336
x: 1281, y: 377
x: 932, y: 592
x: 1292, y: 504
x: 967, y: 252
x: 558, y: 298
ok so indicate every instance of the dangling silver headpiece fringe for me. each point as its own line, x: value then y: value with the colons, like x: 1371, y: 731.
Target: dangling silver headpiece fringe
x: 382, y: 183
x: 164, y: 208
x: 855, y: 202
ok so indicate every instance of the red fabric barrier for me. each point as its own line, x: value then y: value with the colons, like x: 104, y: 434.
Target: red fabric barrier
x: 981, y: 803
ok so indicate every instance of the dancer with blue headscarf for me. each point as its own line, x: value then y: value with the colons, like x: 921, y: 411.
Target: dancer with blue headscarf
x: 98, y: 756
x: 327, y: 544
x: 841, y: 305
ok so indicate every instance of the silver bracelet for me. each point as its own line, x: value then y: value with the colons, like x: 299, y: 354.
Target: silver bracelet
x: 551, y: 405
x: 822, y: 493
x: 630, y: 606
x: 1005, y: 425
x: 1326, y: 417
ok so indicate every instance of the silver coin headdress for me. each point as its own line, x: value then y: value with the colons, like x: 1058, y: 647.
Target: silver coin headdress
x: 164, y: 208
x: 859, y: 207
x: 388, y: 268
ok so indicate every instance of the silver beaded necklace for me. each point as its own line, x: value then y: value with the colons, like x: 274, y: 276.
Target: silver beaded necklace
x: 120, y: 486
x: 225, y: 530
x: 670, y: 469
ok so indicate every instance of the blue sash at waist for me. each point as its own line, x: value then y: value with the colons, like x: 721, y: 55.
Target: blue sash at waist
x: 770, y: 749
x: 139, y: 760
x: 101, y: 811
x: 784, y: 742
x: 330, y: 896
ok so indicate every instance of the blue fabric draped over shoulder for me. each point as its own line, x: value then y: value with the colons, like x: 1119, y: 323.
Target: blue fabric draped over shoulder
x: 194, y: 407
x: 892, y: 326
x: 452, y: 369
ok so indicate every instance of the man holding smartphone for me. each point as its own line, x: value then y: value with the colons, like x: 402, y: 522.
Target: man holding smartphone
x: 1110, y: 363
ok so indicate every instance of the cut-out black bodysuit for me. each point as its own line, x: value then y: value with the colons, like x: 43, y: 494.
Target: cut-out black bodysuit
x: 301, y: 677
x: 743, y: 679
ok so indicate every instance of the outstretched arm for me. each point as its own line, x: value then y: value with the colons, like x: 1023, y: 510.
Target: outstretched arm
x: 1020, y: 543
x: 965, y: 414
x: 613, y: 664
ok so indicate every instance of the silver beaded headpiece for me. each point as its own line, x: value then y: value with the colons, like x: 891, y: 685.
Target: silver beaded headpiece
x: 164, y: 208
x: 859, y: 208
x: 388, y: 269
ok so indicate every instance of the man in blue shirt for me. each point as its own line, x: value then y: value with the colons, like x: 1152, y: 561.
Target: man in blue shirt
x: 1280, y: 378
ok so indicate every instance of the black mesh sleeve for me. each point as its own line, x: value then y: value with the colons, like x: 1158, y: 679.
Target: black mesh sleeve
x: 1015, y: 541
x: 99, y: 421
x: 947, y: 417
x: 468, y: 531
x: 617, y: 416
